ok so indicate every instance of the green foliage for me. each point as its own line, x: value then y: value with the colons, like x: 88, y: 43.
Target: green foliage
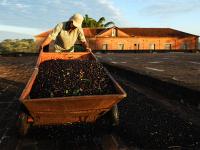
x: 23, y: 45
x: 92, y: 23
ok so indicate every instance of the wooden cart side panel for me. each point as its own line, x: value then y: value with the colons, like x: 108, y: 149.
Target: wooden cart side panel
x: 47, y: 118
x: 44, y: 56
x: 63, y: 111
x: 75, y: 103
x: 27, y: 89
x: 39, y: 60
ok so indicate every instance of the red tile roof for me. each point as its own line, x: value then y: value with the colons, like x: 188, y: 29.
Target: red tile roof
x: 43, y: 34
x: 92, y: 32
x: 155, y: 32
x: 142, y: 32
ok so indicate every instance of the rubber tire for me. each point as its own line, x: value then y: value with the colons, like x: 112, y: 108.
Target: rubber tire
x: 23, y: 124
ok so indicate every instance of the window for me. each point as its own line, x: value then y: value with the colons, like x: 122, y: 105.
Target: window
x: 136, y: 46
x: 168, y: 46
x: 184, y: 46
x: 105, y: 47
x: 113, y: 32
x: 152, y: 46
x: 121, y: 46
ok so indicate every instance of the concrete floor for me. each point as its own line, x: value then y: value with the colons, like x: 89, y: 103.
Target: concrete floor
x: 144, y: 123
x: 178, y: 68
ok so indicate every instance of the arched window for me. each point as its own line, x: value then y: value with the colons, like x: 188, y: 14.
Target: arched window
x: 114, y: 31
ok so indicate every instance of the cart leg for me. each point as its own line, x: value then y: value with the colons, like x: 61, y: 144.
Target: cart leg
x: 114, y: 116
x: 23, y: 124
x: 109, y: 119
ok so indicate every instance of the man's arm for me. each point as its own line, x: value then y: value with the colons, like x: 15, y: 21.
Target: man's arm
x: 52, y: 35
x: 85, y: 45
x: 83, y: 41
x: 46, y: 42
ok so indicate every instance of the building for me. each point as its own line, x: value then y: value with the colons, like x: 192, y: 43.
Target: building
x: 115, y: 38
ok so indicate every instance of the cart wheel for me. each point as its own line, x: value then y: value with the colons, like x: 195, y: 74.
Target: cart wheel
x: 23, y: 124
x: 109, y: 119
x: 114, y: 116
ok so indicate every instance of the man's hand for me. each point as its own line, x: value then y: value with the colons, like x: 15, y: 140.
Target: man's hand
x: 88, y: 49
x: 85, y: 45
x: 46, y: 42
x: 41, y: 48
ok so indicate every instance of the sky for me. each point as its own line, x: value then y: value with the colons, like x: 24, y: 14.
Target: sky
x: 26, y: 18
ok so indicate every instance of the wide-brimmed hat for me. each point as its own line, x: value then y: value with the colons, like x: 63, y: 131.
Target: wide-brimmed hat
x: 77, y: 20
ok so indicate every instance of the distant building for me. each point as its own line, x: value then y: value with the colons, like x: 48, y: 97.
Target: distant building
x: 199, y: 46
x: 135, y: 39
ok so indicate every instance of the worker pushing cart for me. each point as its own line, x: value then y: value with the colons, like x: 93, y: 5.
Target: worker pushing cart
x: 65, y: 35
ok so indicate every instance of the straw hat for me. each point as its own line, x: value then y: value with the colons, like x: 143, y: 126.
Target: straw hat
x: 77, y: 20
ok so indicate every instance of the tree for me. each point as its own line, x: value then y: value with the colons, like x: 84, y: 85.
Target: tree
x: 92, y: 23
x: 23, y: 45
x: 88, y: 22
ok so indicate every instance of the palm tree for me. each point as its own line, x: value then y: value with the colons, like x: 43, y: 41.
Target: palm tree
x: 110, y: 23
x: 100, y: 23
x: 87, y: 21
x: 92, y: 23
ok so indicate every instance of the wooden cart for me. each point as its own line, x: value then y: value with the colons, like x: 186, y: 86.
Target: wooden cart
x: 62, y: 110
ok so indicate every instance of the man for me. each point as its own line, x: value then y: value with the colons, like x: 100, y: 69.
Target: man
x: 65, y: 35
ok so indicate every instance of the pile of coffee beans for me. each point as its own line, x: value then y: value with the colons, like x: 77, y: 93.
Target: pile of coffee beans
x: 60, y: 78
